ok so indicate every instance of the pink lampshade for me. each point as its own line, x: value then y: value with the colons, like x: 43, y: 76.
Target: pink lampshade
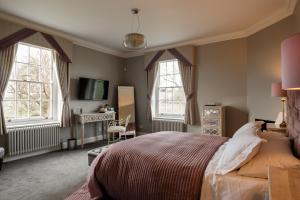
x: 290, y: 63
x: 277, y: 91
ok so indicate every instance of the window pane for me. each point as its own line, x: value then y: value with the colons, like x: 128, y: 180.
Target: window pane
x: 9, y: 109
x: 22, y: 54
x: 162, y: 107
x: 170, y: 81
x: 35, y: 109
x: 46, y: 57
x: 162, y: 94
x: 46, y: 91
x: 22, y: 109
x: 33, y: 72
x: 163, y: 68
x: 171, y: 97
x: 46, y: 107
x: 29, y: 90
x: 163, y: 81
x: 35, y: 56
x: 45, y: 75
x: 169, y: 92
x: 176, y: 68
x: 10, y: 92
x: 169, y: 107
x: 22, y: 90
x: 176, y: 107
x: 177, y: 80
x: 170, y: 67
x: 21, y: 71
x: 182, y: 107
x: 178, y: 94
x: 35, y: 91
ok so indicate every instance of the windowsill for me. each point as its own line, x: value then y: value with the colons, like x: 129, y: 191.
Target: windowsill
x: 18, y: 124
x: 168, y: 118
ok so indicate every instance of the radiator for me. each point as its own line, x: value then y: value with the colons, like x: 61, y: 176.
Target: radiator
x: 167, y: 125
x: 32, y: 138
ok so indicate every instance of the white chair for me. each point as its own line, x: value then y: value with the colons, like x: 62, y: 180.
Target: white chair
x: 117, y: 126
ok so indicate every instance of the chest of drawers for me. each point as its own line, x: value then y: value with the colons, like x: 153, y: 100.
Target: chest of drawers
x: 213, y: 120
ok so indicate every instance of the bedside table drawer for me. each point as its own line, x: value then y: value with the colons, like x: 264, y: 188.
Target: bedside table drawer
x: 211, y: 131
x: 211, y: 112
x: 211, y: 122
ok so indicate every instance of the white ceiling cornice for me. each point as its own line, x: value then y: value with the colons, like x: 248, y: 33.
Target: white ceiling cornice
x: 276, y: 17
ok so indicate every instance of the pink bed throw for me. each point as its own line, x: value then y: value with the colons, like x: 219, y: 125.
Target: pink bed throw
x: 164, y: 165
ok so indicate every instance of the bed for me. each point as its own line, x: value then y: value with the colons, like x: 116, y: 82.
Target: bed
x: 165, y: 165
x: 173, y: 165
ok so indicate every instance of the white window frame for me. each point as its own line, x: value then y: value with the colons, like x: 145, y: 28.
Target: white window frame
x: 155, y: 98
x: 55, y: 101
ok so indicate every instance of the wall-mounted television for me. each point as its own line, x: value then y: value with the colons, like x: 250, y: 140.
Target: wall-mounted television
x: 92, y: 89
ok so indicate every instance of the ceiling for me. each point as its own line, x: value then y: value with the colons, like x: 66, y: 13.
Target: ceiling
x: 102, y: 24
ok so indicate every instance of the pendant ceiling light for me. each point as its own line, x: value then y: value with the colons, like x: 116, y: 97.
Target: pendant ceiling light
x: 135, y: 41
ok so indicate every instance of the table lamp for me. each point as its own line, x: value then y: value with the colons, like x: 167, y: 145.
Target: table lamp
x: 277, y: 91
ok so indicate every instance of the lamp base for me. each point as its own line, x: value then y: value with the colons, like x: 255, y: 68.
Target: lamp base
x: 283, y: 124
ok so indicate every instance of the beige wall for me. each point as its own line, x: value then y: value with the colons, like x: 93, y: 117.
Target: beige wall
x: 220, y: 78
x: 264, y: 66
x: 94, y: 64
x: 135, y: 75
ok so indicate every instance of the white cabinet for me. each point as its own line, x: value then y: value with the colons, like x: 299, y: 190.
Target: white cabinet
x: 213, y: 120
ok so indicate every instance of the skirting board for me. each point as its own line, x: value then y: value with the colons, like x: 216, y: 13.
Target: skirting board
x: 95, y: 139
x: 86, y: 141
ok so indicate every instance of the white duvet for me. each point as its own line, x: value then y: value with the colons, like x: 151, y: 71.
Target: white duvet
x: 231, y: 186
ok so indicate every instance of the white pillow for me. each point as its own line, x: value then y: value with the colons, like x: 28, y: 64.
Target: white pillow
x: 249, y: 127
x: 276, y: 152
x: 238, y: 151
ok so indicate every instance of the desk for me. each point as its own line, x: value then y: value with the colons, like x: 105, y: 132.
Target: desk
x: 92, y: 117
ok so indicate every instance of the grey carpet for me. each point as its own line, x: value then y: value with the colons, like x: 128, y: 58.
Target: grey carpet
x: 51, y: 176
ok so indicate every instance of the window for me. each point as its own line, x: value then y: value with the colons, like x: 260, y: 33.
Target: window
x: 169, y: 98
x: 32, y: 87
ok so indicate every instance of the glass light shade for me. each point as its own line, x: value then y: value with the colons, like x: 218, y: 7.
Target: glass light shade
x: 135, y: 41
x: 290, y: 63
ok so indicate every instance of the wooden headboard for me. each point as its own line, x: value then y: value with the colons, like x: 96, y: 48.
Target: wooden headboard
x: 293, y: 118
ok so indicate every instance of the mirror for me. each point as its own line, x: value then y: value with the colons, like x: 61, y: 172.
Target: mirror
x: 126, y: 105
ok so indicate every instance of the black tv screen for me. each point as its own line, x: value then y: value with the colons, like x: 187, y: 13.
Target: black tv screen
x: 92, y: 89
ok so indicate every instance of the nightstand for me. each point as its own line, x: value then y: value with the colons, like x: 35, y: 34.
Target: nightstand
x: 275, y: 128
x: 284, y: 184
